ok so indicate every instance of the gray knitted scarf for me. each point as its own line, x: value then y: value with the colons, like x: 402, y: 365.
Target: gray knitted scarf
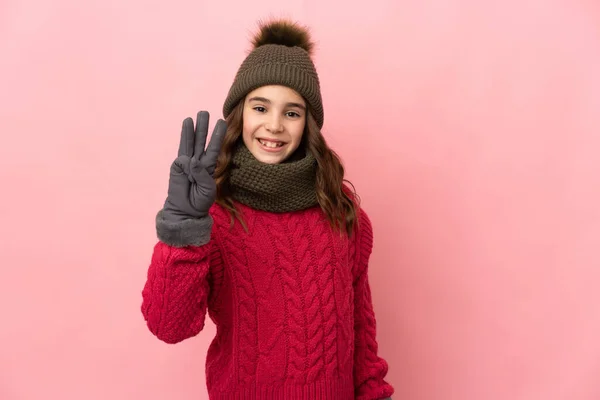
x: 284, y: 187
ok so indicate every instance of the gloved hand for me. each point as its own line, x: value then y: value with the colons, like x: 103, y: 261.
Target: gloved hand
x: 192, y: 189
x: 184, y: 219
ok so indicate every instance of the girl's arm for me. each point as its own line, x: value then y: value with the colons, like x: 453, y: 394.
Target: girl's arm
x: 369, y: 369
x: 179, y: 280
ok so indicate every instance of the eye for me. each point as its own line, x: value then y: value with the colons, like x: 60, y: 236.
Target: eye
x: 292, y: 114
x: 260, y: 109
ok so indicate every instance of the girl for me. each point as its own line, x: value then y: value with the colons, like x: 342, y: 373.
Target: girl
x: 260, y: 232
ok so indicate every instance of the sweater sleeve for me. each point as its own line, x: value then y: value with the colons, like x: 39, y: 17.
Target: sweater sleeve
x: 178, y: 287
x: 369, y: 369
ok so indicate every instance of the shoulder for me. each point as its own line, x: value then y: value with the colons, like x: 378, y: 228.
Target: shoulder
x: 364, y: 227
x: 362, y: 242
x: 229, y: 221
x: 220, y: 215
x: 364, y: 221
x: 217, y: 212
x: 362, y: 217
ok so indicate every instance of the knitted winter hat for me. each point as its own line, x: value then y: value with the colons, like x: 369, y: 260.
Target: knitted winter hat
x: 281, y: 55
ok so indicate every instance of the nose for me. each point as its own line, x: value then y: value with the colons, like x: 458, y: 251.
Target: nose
x: 274, y: 124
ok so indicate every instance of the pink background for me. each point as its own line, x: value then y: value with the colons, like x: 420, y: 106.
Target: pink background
x: 470, y: 128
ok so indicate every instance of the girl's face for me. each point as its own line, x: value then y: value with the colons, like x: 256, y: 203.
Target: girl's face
x: 274, y: 117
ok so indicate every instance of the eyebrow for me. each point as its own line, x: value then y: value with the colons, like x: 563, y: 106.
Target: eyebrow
x: 265, y: 100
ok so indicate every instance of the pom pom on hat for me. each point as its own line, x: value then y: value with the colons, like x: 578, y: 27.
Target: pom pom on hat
x: 285, y: 33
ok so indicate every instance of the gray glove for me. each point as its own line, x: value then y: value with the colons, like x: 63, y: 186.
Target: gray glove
x: 184, y: 218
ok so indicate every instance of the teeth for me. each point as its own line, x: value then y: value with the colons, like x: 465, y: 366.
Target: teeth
x: 270, y: 144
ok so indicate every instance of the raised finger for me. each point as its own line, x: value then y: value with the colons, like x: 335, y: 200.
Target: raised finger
x: 186, y: 143
x: 214, y: 147
x: 201, y: 133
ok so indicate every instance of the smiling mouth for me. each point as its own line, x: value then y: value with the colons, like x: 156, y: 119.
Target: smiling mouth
x: 272, y: 144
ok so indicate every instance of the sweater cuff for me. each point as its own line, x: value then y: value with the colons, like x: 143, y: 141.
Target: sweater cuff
x: 187, y: 232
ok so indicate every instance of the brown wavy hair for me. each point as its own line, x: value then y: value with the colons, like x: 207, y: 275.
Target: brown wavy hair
x: 336, y: 195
